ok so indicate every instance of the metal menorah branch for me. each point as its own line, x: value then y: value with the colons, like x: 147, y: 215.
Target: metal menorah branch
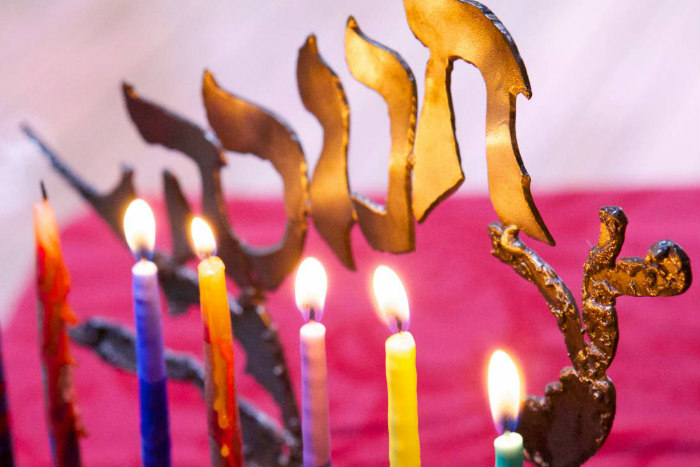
x: 575, y: 416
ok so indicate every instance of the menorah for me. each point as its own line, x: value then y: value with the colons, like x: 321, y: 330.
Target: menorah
x: 563, y: 428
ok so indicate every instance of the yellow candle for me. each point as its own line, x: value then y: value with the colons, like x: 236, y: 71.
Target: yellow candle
x: 401, y: 379
x: 220, y: 391
x: 404, y: 446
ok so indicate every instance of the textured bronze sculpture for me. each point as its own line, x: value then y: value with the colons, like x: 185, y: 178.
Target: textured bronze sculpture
x: 565, y: 427
x: 322, y: 94
x: 334, y: 208
x: 468, y: 30
x: 575, y: 416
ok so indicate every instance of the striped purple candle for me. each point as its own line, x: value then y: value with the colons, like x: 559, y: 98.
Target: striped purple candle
x: 310, y: 288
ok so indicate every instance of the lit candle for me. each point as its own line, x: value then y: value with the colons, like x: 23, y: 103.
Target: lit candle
x: 53, y: 286
x: 504, y: 397
x: 310, y: 290
x: 392, y: 304
x: 140, y: 232
x: 219, y: 387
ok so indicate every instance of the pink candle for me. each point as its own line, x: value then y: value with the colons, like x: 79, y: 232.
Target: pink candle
x: 310, y: 288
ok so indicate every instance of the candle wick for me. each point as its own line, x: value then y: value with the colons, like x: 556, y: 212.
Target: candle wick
x: 207, y: 254
x: 44, y: 195
x: 399, y: 324
x: 142, y: 254
x: 312, y: 313
x: 508, y: 424
x: 204, y: 255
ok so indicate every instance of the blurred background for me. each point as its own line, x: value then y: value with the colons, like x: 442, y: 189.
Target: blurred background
x: 615, y: 107
x: 616, y: 94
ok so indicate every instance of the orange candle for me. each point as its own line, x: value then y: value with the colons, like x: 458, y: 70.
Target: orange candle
x: 53, y: 285
x: 225, y: 443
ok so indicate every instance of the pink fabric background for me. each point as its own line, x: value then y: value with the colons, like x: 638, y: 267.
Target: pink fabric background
x: 464, y: 304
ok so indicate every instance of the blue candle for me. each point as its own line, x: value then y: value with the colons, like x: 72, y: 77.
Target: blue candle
x: 505, y: 396
x: 139, y: 226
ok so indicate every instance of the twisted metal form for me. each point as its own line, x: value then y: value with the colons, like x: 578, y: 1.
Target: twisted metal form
x: 575, y: 416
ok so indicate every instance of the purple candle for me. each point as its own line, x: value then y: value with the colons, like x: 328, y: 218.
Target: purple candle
x: 140, y: 230
x: 310, y: 287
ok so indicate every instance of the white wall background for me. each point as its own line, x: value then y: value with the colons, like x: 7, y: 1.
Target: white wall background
x: 616, y: 92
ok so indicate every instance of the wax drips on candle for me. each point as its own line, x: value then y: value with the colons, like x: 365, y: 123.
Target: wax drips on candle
x: 53, y: 285
x: 221, y: 356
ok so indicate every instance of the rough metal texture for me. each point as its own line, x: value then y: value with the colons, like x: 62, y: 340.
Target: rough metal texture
x: 468, y: 30
x: 573, y: 419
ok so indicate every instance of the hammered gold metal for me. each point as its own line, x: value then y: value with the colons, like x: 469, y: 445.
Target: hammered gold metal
x: 391, y: 227
x: 322, y: 94
x: 465, y: 29
x: 246, y: 128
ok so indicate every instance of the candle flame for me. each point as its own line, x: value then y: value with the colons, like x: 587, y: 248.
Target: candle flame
x: 391, y: 299
x: 310, y: 288
x: 140, y: 228
x: 504, y: 391
x: 202, y: 238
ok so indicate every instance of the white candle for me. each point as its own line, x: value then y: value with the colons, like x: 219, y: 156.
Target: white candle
x: 310, y: 289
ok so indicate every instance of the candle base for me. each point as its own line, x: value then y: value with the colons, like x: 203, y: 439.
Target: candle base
x: 404, y: 443
x: 509, y: 450
x: 314, y: 395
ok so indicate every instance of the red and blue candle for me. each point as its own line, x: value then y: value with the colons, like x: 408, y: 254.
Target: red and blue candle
x: 53, y: 285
